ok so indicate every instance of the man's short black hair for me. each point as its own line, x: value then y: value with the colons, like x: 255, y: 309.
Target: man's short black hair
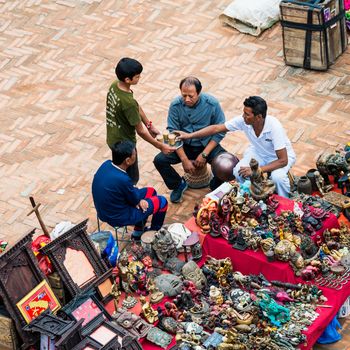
x: 128, y: 68
x: 122, y: 150
x: 191, y: 81
x: 257, y: 104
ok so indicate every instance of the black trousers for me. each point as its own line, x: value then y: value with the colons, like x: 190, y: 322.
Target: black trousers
x: 172, y: 179
x: 133, y: 171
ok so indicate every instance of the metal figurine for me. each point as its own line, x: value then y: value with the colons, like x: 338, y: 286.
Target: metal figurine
x: 164, y: 245
x: 115, y: 292
x: 156, y: 294
x: 148, y: 313
x: 260, y: 188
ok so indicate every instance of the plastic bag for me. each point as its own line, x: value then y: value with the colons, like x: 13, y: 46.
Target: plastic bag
x: 111, y: 251
x: 330, y: 334
x: 251, y: 17
x: 107, y: 245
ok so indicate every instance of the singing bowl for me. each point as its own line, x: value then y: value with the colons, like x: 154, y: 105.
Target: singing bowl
x: 222, y: 166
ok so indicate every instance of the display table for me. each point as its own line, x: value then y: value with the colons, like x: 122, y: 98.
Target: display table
x: 250, y: 262
x: 335, y: 298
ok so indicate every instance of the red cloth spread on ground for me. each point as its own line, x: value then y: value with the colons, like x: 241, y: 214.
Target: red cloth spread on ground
x: 250, y: 262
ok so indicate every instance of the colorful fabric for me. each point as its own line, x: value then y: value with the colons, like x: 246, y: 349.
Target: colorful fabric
x: 347, y: 4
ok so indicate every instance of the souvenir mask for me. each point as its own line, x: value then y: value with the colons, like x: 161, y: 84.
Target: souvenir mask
x: 170, y: 285
x: 147, y: 261
x: 168, y: 324
x: 240, y: 298
x: 193, y: 273
x: 174, y: 265
x: 192, y: 327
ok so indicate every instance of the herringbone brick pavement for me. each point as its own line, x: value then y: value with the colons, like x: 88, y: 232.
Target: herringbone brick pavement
x: 57, y: 62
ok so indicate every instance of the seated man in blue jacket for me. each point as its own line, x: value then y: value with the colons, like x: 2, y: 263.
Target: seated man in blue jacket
x: 117, y: 201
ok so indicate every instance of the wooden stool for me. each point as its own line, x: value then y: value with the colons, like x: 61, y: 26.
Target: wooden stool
x: 200, y: 178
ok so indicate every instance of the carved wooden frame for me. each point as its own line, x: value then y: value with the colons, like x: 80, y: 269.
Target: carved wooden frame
x: 102, y: 319
x: 76, y: 238
x: 20, y: 255
x: 87, y: 342
x: 67, y: 333
x: 91, y: 343
x: 68, y: 309
x: 100, y: 281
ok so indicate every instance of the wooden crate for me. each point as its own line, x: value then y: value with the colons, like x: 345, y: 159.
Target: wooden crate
x: 314, y: 32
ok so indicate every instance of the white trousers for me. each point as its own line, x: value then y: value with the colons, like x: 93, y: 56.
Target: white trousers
x: 278, y: 176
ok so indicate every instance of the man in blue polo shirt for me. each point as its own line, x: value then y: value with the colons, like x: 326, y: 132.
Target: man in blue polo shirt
x: 269, y: 143
x: 191, y: 111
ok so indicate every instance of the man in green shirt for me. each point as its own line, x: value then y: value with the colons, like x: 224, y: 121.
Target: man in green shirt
x: 124, y: 116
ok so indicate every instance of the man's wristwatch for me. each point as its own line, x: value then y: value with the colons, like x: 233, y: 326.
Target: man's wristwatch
x: 204, y: 155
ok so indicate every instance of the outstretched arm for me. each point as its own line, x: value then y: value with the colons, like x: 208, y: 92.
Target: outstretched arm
x: 207, y: 131
x: 142, y: 131
x: 148, y: 124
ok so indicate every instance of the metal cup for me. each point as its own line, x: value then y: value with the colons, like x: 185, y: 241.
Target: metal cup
x: 172, y: 139
x: 166, y: 135
x: 160, y: 138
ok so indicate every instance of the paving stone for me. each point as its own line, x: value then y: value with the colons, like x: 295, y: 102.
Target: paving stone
x: 57, y: 62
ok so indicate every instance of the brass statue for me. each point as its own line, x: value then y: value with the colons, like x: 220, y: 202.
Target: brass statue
x: 147, y: 311
x: 260, y: 188
x: 115, y: 292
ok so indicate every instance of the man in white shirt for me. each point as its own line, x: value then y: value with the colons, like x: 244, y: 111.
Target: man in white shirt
x: 269, y: 144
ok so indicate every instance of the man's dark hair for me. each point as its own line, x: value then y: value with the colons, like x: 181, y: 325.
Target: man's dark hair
x: 257, y: 104
x: 191, y: 81
x: 122, y: 150
x: 128, y: 68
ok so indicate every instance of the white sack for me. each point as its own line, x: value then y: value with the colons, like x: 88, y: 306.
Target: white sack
x: 251, y: 16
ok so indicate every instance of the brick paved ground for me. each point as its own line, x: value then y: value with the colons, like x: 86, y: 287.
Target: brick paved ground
x: 57, y: 62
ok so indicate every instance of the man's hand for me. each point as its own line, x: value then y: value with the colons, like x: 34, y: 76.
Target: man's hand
x: 245, y: 171
x: 153, y: 131
x: 166, y: 149
x: 188, y: 166
x: 143, y: 205
x: 181, y: 135
x: 200, y: 162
